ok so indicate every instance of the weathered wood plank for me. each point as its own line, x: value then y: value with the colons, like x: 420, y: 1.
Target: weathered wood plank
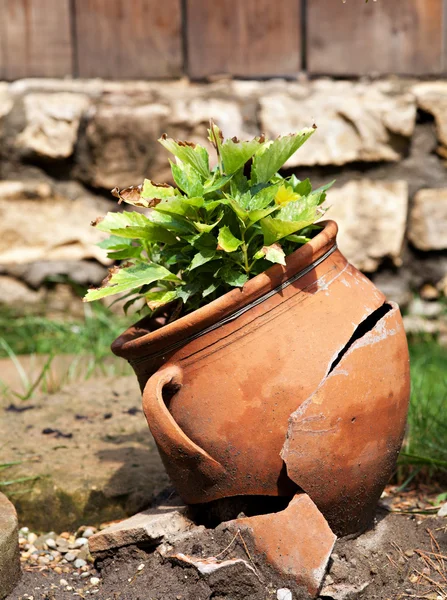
x: 128, y: 39
x: 35, y: 38
x: 252, y: 38
x: 387, y: 36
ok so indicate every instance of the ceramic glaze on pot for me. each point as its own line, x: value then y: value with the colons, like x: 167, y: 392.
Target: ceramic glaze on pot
x: 298, y: 381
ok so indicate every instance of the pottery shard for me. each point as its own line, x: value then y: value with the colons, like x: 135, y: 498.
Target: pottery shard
x: 431, y: 97
x: 52, y: 123
x: 428, y: 219
x: 32, y: 220
x: 358, y: 122
x: 343, y: 458
x: 119, y: 147
x: 371, y: 216
x: 152, y: 526
x: 297, y: 542
x: 9, y: 547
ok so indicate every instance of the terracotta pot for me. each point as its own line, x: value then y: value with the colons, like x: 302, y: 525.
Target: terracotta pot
x: 298, y: 381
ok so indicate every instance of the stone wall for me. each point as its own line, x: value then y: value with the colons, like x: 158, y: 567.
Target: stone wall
x: 66, y: 143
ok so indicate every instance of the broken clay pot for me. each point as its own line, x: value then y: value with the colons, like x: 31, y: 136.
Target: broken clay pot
x: 299, y: 381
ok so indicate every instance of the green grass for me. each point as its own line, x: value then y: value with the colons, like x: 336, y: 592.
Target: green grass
x: 87, y: 340
x: 425, y: 444
x: 40, y: 335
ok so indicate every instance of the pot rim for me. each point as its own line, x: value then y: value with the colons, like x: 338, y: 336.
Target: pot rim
x: 133, y: 343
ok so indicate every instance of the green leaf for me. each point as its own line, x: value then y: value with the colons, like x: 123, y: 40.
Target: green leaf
x: 322, y: 191
x: 125, y: 253
x: 202, y: 240
x: 291, y: 218
x: 133, y: 225
x: 149, y: 233
x: 188, y: 153
x: 217, y: 185
x: 257, y: 215
x: 303, y: 188
x: 206, y: 227
x: 186, y: 291
x: 239, y: 183
x: 235, y: 153
x: 185, y: 207
x: 201, y: 258
x: 273, y: 156
x: 298, y: 239
x: 227, y: 241
x: 119, y: 220
x: 274, y: 254
x: 115, y: 242
x: 129, y: 278
x: 276, y: 229
x: 210, y: 289
x: 152, y: 190
x: 173, y: 223
x: 156, y: 299
x: 233, y: 276
x: 264, y: 197
x: 187, y: 179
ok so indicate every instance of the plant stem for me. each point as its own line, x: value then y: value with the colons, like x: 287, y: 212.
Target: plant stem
x: 244, y: 249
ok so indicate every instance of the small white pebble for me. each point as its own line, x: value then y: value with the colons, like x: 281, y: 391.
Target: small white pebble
x: 32, y: 537
x: 69, y: 588
x: 50, y: 543
x: 140, y: 567
x: 284, y: 594
x: 24, y: 529
x: 88, y: 532
x: 85, y: 574
x: 79, y: 562
x: 81, y: 541
x: 70, y: 556
x: 94, y: 580
x: 63, y: 582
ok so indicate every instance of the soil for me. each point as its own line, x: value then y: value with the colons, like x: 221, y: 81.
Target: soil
x: 403, y: 556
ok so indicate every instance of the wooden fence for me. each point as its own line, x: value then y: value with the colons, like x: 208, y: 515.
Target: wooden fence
x: 152, y: 39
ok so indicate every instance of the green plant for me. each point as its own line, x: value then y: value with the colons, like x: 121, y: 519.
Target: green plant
x: 425, y: 445
x: 215, y: 229
x: 44, y: 341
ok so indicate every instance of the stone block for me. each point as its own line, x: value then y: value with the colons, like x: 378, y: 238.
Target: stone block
x: 37, y: 224
x: 428, y: 220
x: 153, y: 526
x: 371, y: 216
x: 120, y: 146
x: 356, y: 121
x: 52, y: 123
x: 431, y: 97
x: 9, y: 547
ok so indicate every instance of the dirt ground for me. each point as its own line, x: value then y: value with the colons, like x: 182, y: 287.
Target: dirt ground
x: 401, y: 557
x: 90, y: 450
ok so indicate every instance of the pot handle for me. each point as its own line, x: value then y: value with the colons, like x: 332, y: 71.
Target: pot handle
x: 171, y: 440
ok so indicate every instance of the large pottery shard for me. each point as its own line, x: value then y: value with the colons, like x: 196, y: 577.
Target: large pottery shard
x: 296, y: 542
x: 343, y: 441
